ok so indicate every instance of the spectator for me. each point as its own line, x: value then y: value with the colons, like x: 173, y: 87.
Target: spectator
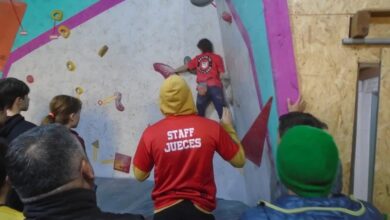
x: 14, y: 94
x: 307, y: 161
x: 65, y: 110
x: 51, y: 173
x: 6, y: 213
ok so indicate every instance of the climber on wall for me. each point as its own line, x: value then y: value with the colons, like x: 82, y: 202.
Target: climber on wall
x: 209, y: 66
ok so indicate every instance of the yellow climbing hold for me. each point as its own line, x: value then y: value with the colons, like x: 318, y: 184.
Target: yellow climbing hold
x: 103, y: 50
x: 71, y: 66
x: 64, y: 31
x: 57, y: 15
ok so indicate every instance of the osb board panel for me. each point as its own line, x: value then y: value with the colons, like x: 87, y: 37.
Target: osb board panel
x: 382, y: 166
x: 334, y: 6
x: 379, y: 28
x: 327, y: 73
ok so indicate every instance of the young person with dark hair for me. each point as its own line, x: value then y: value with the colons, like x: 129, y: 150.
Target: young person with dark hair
x: 307, y: 162
x: 296, y: 117
x: 292, y: 119
x: 50, y: 171
x: 181, y: 147
x: 65, y: 110
x: 14, y: 95
x: 209, y: 67
x: 3, y: 112
x: 6, y: 213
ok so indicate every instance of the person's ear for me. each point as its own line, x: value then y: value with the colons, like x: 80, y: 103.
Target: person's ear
x: 18, y: 101
x: 7, y: 180
x: 87, y: 171
x: 72, y: 116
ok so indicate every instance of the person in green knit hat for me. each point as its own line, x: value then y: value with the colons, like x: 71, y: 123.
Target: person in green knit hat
x: 306, y: 162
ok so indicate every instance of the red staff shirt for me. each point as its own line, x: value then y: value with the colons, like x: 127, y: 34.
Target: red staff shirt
x: 182, y: 148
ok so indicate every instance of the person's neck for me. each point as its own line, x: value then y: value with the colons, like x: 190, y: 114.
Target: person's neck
x: 3, y: 193
x: 2, y: 199
x: 74, y: 184
x: 291, y: 193
x: 13, y: 111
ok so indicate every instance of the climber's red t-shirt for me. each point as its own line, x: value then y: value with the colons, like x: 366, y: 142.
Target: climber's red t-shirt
x: 182, y: 148
x: 208, y: 67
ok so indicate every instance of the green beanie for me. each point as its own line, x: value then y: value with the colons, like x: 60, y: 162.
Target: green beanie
x: 307, y: 161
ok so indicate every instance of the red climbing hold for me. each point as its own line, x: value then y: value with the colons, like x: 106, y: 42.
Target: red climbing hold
x: 29, y: 78
x: 226, y: 16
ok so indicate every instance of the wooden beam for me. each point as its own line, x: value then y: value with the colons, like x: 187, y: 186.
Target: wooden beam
x: 360, y: 21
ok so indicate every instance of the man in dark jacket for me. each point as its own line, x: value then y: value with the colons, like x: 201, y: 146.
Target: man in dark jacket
x: 51, y: 173
x: 3, y: 112
x: 14, y: 94
x: 307, y: 161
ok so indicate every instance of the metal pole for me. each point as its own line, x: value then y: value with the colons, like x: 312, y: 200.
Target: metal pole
x: 366, y: 41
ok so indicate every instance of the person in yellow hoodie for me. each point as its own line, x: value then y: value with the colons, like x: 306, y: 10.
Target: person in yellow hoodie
x: 181, y: 147
x: 6, y: 213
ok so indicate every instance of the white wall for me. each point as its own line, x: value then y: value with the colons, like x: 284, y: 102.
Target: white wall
x: 254, y: 181
x: 138, y: 33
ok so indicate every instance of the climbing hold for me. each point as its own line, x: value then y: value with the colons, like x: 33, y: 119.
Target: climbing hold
x: 79, y: 90
x: 106, y: 100
x: 187, y: 59
x: 71, y: 66
x: 122, y: 163
x: 226, y: 16
x: 57, y: 15
x: 201, y: 3
x: 53, y: 36
x: 118, y: 104
x: 164, y: 69
x: 118, y: 101
x: 64, y: 31
x: 29, y: 78
x: 23, y: 32
x: 103, y: 50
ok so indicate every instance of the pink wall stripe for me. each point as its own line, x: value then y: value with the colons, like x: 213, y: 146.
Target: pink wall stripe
x: 281, y: 52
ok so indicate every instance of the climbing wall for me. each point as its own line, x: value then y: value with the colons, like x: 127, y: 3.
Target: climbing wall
x: 106, y: 59
x: 117, y: 83
x: 261, y: 81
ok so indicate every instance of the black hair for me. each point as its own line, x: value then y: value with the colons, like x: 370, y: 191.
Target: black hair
x: 10, y: 89
x: 205, y: 46
x: 3, y: 172
x: 2, y: 104
x: 292, y: 119
x: 43, y: 159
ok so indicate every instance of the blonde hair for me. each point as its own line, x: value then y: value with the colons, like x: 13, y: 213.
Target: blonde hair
x: 61, y: 107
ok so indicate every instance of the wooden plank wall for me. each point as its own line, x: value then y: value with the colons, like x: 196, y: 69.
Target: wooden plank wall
x: 327, y: 73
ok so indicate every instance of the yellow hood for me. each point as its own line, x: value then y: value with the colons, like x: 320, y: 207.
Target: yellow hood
x: 176, y: 97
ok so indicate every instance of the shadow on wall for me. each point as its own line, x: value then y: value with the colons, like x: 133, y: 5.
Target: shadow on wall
x: 135, y: 197
x: 100, y: 135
